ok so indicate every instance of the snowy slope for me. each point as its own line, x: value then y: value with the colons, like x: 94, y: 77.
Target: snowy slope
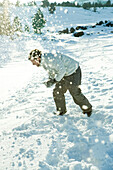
x: 31, y: 137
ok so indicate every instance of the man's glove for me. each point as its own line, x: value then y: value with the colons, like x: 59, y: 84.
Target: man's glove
x: 50, y: 82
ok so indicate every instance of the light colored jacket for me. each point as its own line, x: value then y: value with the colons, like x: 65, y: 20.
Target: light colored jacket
x: 58, y: 65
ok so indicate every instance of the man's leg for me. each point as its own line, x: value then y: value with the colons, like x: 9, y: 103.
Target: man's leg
x: 59, y: 98
x: 80, y: 99
x: 74, y: 81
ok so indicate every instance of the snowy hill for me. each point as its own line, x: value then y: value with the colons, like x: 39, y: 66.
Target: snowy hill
x: 31, y: 137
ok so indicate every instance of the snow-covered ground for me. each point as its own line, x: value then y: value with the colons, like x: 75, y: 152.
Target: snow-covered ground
x: 31, y: 137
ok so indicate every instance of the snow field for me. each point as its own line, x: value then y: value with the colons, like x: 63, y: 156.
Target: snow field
x: 31, y: 137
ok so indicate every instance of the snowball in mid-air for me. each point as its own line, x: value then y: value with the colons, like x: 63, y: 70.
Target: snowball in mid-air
x: 75, y: 2
x: 84, y: 107
x: 98, y: 123
x: 61, y: 9
x: 53, y: 51
x: 96, y: 140
x: 111, y: 138
x: 65, y: 11
x: 94, y: 168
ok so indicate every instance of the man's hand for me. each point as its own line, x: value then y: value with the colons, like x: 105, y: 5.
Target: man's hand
x: 50, y: 82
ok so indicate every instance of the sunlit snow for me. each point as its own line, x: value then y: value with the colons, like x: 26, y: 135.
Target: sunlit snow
x: 31, y: 136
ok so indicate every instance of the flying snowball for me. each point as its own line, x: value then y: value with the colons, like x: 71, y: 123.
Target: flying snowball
x: 65, y: 11
x: 84, y: 107
x: 111, y: 138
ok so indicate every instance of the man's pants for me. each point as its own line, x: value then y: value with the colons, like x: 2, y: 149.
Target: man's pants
x: 70, y: 83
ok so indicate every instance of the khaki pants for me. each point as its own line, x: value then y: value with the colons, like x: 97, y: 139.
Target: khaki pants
x: 70, y: 83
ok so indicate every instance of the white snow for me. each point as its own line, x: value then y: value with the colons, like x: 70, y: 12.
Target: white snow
x: 31, y: 136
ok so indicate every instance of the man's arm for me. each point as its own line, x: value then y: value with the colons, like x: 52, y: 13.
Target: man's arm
x: 59, y: 69
x: 55, y: 65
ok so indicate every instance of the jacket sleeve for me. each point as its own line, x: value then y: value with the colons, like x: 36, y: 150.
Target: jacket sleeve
x: 57, y: 66
x: 60, y: 70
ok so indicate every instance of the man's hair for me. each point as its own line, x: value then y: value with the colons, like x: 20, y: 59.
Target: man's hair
x: 34, y: 54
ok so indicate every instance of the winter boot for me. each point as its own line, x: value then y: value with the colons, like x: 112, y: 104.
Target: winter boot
x: 59, y: 113
x: 88, y: 112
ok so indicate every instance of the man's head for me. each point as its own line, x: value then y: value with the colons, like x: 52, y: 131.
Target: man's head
x: 35, y: 57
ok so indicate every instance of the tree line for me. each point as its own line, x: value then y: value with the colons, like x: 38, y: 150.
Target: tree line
x: 45, y: 3
x: 87, y: 5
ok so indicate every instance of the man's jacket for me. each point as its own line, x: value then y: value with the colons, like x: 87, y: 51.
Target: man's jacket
x: 58, y: 65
